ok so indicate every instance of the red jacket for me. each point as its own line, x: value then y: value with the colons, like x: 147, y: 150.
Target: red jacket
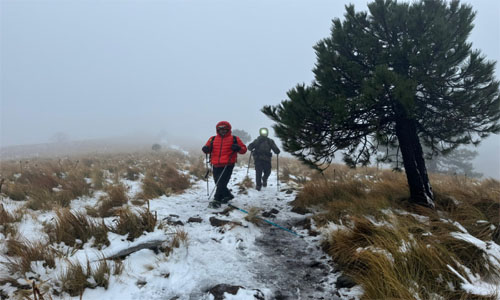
x: 221, y: 152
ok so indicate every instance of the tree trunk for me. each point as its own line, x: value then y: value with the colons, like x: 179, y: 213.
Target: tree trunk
x: 414, y: 163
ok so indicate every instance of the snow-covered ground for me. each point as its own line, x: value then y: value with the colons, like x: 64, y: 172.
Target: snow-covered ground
x: 239, y: 260
x: 264, y: 261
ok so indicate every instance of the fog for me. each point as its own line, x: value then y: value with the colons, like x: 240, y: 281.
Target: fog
x: 97, y: 69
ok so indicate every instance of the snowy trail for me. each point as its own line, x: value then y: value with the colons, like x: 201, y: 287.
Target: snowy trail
x: 259, y: 261
x: 274, y: 261
x: 292, y: 267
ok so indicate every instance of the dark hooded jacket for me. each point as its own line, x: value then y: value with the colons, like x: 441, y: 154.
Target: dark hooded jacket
x: 261, y: 148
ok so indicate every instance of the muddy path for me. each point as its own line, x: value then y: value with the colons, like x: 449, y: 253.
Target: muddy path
x: 294, y: 267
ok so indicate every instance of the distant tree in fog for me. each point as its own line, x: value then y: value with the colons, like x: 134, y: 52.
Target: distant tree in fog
x: 457, y: 162
x: 243, y: 135
x: 59, y: 137
x: 156, y: 147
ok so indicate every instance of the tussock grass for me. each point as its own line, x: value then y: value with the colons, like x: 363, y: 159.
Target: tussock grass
x: 132, y: 173
x: 135, y: 224
x: 253, y: 215
x: 118, y: 267
x: 179, y: 236
x: 75, y: 229
x: 77, y: 186
x: 16, y: 191
x: 391, y: 262
x: 40, y: 199
x: 20, y: 254
x: 198, y: 167
x: 474, y: 204
x: 163, y: 180
x: 246, y: 183
x: 77, y: 277
x: 396, y: 250
x: 151, y: 187
x: 7, y: 220
x: 101, y: 274
x: 116, y: 198
x: 73, y: 279
x: 293, y: 170
x: 97, y: 177
x: 171, y: 178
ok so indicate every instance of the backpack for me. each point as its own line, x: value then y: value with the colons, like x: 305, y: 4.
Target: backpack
x: 263, y: 149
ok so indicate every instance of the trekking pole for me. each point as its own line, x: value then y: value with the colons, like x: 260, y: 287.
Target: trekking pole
x: 269, y: 222
x: 249, y: 160
x: 208, y: 170
x: 220, y: 176
x: 278, y: 172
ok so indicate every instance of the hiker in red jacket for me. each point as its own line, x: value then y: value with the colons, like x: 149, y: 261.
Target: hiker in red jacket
x: 223, y: 149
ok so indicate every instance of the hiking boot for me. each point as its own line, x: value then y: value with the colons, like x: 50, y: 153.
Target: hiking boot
x: 258, y: 188
x: 264, y: 183
x: 227, y: 198
x: 214, y: 204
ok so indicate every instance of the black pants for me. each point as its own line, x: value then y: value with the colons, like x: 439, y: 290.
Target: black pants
x: 262, y: 166
x: 221, y: 178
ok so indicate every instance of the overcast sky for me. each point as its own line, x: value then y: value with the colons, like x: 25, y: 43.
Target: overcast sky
x: 95, y: 69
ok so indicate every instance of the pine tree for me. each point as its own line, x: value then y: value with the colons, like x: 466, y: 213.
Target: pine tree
x: 401, y: 74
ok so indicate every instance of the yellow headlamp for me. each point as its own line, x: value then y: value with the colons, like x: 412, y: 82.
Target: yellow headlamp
x: 263, y: 132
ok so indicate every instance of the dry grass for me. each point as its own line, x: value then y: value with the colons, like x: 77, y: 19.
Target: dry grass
x: 244, y: 185
x: 17, y: 192
x: 394, y: 262
x: 51, y: 184
x: 408, y: 254
x: 40, y: 199
x: 20, y: 254
x: 253, y: 215
x: 474, y: 204
x: 73, y: 279
x: 45, y: 183
x: 118, y: 267
x: 71, y: 174
x: 293, y: 170
x: 132, y: 173
x: 151, y: 187
x: 7, y: 220
x: 101, y: 274
x: 76, y: 278
x: 77, y: 186
x: 135, y: 224
x: 75, y: 229
x: 198, y: 168
x: 179, y: 237
x: 97, y: 177
x: 117, y: 197
x: 163, y: 180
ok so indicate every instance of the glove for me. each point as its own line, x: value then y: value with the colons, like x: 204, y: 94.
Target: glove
x: 235, y: 147
x: 205, y: 149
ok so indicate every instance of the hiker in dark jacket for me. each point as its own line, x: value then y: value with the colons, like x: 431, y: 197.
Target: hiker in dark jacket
x: 261, y: 150
x: 223, y: 149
